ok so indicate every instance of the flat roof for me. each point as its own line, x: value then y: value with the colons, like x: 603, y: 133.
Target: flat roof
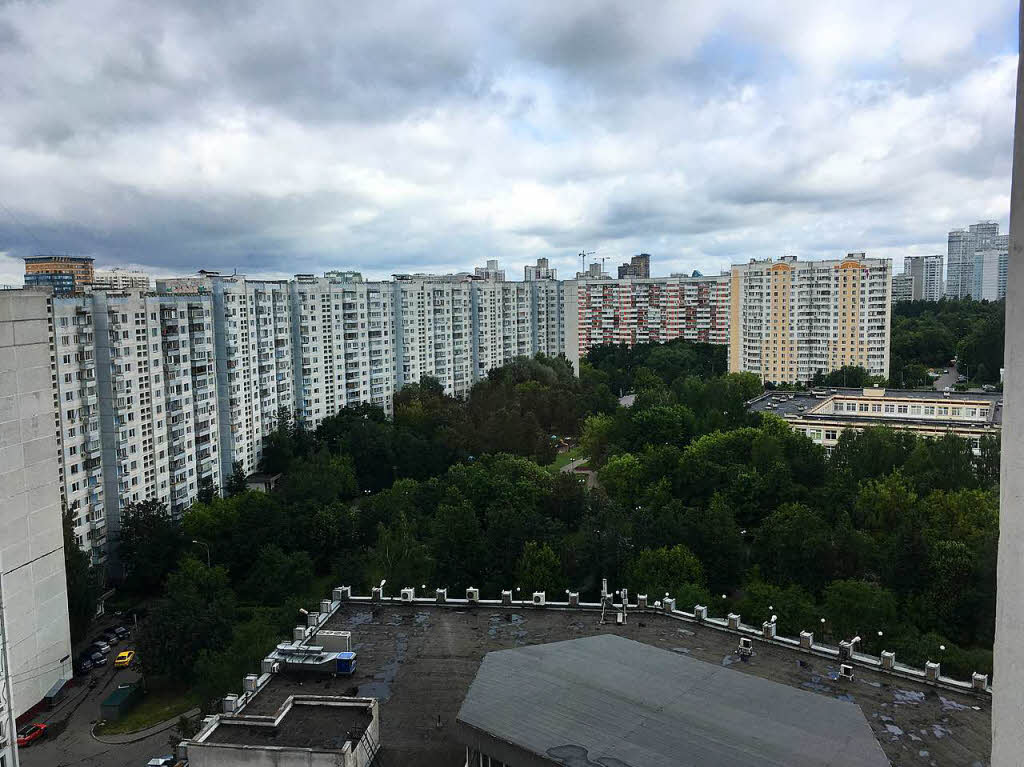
x: 789, y: 403
x: 611, y: 699
x: 305, y: 725
x: 420, y: 659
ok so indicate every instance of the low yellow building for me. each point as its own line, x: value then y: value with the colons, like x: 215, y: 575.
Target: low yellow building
x: 823, y: 414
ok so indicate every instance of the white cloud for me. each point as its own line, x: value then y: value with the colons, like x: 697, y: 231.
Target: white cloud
x: 303, y: 137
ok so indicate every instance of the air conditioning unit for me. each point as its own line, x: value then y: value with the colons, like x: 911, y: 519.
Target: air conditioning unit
x: 888, y: 660
x: 846, y: 672
x: 700, y: 612
x: 250, y: 683
x: 538, y: 599
x: 299, y: 633
x: 472, y: 594
x: 620, y: 619
x: 931, y: 671
x: 230, y: 703
x: 746, y: 647
x: 325, y: 606
x: 408, y: 594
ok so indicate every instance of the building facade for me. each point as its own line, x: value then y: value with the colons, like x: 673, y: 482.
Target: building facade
x: 136, y: 406
x: 121, y: 279
x: 638, y: 267
x: 61, y: 283
x: 927, y: 274
x: 990, y: 267
x: 962, y: 246
x: 33, y: 586
x: 542, y: 271
x: 903, y: 287
x: 791, y: 319
x: 636, y: 311
x: 81, y: 267
x: 824, y: 414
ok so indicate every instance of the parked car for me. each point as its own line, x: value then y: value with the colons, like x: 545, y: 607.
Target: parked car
x: 98, y: 658
x: 122, y: 632
x: 110, y: 637
x: 101, y: 644
x: 167, y: 760
x: 83, y: 665
x: 30, y: 733
x: 124, y: 659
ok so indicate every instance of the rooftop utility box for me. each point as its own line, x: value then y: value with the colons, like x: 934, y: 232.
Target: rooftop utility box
x: 346, y: 663
x: 408, y: 594
x: 334, y: 641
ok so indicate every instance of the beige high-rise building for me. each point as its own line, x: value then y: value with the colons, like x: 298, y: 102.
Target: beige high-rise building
x: 791, y: 319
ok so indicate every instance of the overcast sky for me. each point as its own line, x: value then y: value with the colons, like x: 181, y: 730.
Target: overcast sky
x: 300, y: 136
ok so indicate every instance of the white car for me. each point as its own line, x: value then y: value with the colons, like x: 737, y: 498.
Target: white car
x: 162, y: 761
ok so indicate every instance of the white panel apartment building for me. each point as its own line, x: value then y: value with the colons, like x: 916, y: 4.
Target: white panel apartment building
x: 791, y: 319
x: 927, y: 275
x: 136, y: 405
x: 345, y: 353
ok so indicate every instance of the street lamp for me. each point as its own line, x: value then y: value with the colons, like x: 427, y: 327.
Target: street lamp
x: 207, y: 546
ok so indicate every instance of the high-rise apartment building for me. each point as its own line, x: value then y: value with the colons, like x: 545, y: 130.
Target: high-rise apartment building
x: 990, y: 268
x: 136, y: 406
x: 903, y: 287
x: 791, y: 319
x: 637, y: 267
x: 635, y: 311
x: 926, y: 272
x: 490, y: 272
x: 121, y: 279
x: 80, y: 267
x: 345, y: 351
x: 33, y: 586
x: 542, y: 271
x: 960, y: 255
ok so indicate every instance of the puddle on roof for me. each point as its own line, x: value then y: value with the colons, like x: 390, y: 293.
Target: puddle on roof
x: 380, y: 685
x: 358, y: 619
x: 952, y: 705
x: 506, y: 626
x: 907, y: 696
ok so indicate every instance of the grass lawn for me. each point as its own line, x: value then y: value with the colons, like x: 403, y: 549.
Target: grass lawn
x: 157, y: 706
x: 563, y: 459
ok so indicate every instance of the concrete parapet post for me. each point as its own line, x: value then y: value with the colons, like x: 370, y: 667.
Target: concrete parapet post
x: 441, y: 596
x: 979, y: 681
x: 574, y: 599
x: 768, y: 629
x: 733, y: 620
x: 845, y: 650
x: 806, y: 640
x: 641, y: 601
x: 888, y: 660
x: 376, y: 593
x: 506, y: 598
x: 700, y: 612
x: 668, y: 604
x: 931, y: 671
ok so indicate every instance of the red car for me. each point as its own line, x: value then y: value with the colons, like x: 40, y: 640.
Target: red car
x: 30, y: 733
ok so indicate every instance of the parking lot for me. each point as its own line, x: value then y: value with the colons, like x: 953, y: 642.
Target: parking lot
x: 69, y: 739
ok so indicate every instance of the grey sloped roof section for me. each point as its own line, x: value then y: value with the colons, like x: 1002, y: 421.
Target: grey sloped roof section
x: 644, y: 707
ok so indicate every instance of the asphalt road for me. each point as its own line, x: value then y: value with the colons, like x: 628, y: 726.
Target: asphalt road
x: 69, y: 741
x: 948, y: 379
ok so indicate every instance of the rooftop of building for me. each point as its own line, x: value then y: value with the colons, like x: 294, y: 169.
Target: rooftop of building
x: 420, y: 658
x: 57, y: 257
x: 302, y: 722
x: 611, y: 698
x: 799, y: 403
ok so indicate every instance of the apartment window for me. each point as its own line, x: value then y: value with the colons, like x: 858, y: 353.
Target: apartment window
x: 902, y: 409
x: 890, y: 408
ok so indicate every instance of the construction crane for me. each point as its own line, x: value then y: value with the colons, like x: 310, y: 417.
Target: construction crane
x: 583, y: 258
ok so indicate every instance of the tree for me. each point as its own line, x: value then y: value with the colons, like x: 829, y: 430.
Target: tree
x: 207, y: 490
x: 675, y: 571
x: 398, y: 556
x: 457, y: 543
x: 857, y: 608
x: 539, y: 569
x: 274, y: 576
x: 196, y: 613
x: 149, y: 545
x: 236, y: 482
x: 83, y: 582
x: 794, y: 546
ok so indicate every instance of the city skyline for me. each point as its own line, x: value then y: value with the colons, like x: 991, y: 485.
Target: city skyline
x: 197, y: 139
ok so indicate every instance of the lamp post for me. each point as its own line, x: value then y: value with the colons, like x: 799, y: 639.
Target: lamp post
x: 207, y: 546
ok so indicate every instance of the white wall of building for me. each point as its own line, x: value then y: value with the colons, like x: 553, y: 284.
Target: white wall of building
x: 34, y: 596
